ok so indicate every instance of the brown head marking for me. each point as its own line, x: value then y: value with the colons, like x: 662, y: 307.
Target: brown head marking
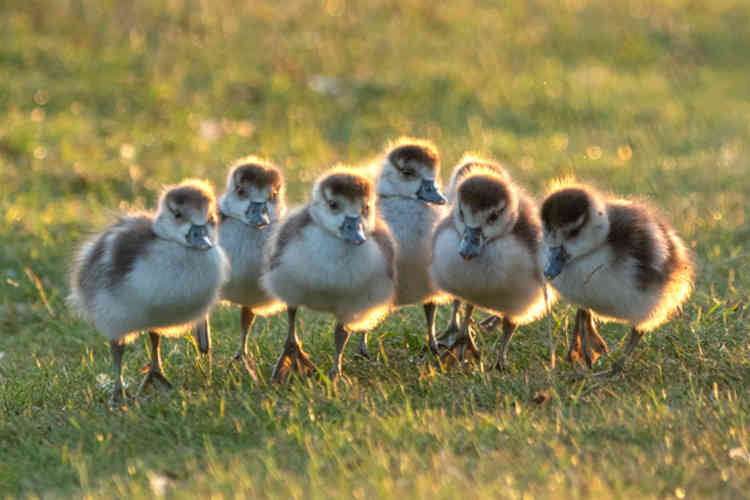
x: 197, y: 195
x: 349, y: 185
x: 415, y: 151
x: 565, y: 207
x: 481, y: 192
x: 258, y: 173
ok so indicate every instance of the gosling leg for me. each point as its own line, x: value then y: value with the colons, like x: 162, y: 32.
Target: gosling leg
x: 464, y: 346
x: 490, y: 322
x: 242, y: 356
x: 593, y: 345
x: 429, y: 315
x: 509, y: 328
x: 575, y: 349
x: 448, y: 337
x: 202, y: 333
x: 341, y: 334
x: 292, y: 358
x: 619, y: 365
x: 117, y: 398
x: 155, y: 375
x: 362, y: 349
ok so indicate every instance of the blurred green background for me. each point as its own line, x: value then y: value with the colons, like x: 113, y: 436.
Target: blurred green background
x: 103, y: 102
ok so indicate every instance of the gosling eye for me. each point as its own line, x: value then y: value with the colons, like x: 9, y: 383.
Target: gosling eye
x: 177, y: 214
x: 333, y: 205
x: 272, y: 196
x: 492, y: 217
x: 408, y: 173
x: 574, y: 232
x: 241, y: 192
x: 461, y: 213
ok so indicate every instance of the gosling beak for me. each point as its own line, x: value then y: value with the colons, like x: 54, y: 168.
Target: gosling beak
x: 556, y: 259
x: 352, y: 230
x: 198, y: 237
x: 429, y: 193
x: 257, y: 214
x: 471, y: 243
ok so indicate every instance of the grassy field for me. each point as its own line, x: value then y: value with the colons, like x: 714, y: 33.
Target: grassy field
x: 102, y: 102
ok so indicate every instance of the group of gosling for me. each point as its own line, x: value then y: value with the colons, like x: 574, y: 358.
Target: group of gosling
x: 360, y: 248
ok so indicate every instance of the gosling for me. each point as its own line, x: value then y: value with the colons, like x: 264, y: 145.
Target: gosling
x: 410, y: 202
x: 159, y: 273
x: 486, y: 253
x: 253, y: 203
x: 467, y: 164
x: 618, y: 260
x: 331, y: 255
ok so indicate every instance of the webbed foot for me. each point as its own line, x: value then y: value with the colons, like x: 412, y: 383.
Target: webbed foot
x: 337, y: 376
x: 462, y: 350
x: 156, y: 379
x: 247, y: 363
x: 293, y: 359
x: 449, y: 336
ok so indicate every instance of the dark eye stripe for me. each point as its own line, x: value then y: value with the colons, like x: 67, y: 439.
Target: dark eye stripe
x: 574, y: 232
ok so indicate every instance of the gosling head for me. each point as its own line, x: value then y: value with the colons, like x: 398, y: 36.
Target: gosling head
x: 575, y: 222
x: 486, y: 209
x: 410, y: 170
x: 187, y: 215
x: 255, y: 193
x: 342, y: 204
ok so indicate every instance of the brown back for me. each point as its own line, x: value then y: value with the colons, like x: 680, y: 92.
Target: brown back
x: 290, y: 229
x: 383, y: 238
x: 528, y: 228
x: 630, y: 235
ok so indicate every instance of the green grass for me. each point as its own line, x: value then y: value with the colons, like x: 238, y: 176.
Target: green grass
x: 102, y: 102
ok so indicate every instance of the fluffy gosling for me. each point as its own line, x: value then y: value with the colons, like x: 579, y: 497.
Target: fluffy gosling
x: 486, y: 252
x: 410, y: 202
x: 252, y: 204
x: 158, y: 272
x: 617, y: 259
x: 332, y: 255
x: 467, y: 164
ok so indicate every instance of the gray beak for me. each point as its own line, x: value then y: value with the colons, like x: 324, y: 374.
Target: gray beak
x: 198, y: 237
x: 257, y: 214
x: 352, y: 230
x: 471, y: 243
x: 429, y: 193
x: 556, y: 259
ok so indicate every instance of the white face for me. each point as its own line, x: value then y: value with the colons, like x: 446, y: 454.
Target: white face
x: 581, y: 236
x: 352, y: 220
x: 409, y: 179
x: 477, y: 227
x: 566, y: 242
x: 190, y: 222
x: 253, y: 204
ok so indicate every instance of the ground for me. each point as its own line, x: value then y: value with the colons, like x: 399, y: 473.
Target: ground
x: 103, y: 102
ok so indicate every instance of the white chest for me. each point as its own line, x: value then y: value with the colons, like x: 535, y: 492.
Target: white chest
x: 605, y: 285
x: 504, y: 277
x: 244, y: 248
x: 412, y: 223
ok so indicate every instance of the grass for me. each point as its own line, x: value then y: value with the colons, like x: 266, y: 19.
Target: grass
x: 103, y: 102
